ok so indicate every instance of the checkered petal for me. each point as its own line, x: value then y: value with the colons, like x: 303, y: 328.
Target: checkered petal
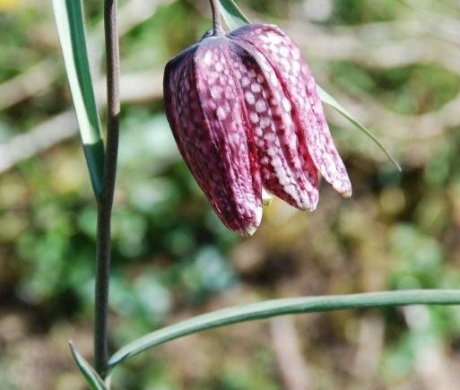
x: 300, y: 88
x: 205, y: 109
x: 286, y: 167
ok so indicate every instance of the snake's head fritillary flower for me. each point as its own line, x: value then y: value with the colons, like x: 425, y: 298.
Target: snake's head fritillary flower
x: 245, y: 113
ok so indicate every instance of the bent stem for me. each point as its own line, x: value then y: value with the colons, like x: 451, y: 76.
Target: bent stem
x: 104, y: 216
x: 217, y: 28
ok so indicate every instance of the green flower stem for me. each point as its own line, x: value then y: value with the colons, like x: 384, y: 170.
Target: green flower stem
x: 103, y: 251
x: 279, y: 307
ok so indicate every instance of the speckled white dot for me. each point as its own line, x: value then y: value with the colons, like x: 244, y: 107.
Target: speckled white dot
x: 265, y: 122
x: 271, y: 151
x: 261, y: 105
x: 216, y: 92
x: 284, y: 51
x: 229, y: 93
x: 274, y: 49
x: 207, y: 58
x: 256, y: 88
x: 254, y: 117
x: 287, y: 105
x: 286, y: 64
x: 295, y: 67
x: 276, y: 162
x: 249, y: 98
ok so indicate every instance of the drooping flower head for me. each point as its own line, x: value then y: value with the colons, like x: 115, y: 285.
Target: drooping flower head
x: 245, y: 113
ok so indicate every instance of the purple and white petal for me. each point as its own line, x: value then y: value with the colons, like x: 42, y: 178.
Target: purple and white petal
x: 286, y: 167
x: 300, y: 87
x: 210, y: 129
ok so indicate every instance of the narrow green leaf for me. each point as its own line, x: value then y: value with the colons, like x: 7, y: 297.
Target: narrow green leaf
x: 232, y: 14
x: 94, y: 381
x: 279, y: 307
x: 328, y: 99
x: 235, y: 18
x: 71, y: 31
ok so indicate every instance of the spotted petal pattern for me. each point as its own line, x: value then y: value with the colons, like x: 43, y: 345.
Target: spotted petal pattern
x: 286, y: 167
x: 300, y: 87
x: 205, y: 111
x: 245, y: 113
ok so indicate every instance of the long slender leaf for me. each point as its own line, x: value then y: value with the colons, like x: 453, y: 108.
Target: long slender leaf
x: 94, y: 381
x: 71, y: 31
x: 279, y: 307
x: 328, y: 99
x: 235, y: 18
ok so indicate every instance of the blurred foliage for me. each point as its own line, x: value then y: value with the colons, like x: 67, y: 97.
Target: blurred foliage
x: 173, y: 258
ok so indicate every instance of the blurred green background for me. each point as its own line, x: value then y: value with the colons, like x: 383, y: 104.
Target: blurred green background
x: 393, y: 64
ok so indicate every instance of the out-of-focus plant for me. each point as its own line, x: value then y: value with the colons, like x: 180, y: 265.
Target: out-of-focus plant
x: 102, y: 163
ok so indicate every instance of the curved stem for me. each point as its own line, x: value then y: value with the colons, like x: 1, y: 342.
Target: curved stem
x: 216, y: 18
x: 279, y: 307
x: 103, y: 251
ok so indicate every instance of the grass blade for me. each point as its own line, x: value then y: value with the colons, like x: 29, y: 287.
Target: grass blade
x: 94, y: 381
x: 71, y: 30
x: 328, y: 99
x: 235, y: 18
x: 279, y: 307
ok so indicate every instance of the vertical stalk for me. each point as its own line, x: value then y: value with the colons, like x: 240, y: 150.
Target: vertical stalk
x: 216, y: 18
x: 103, y: 250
